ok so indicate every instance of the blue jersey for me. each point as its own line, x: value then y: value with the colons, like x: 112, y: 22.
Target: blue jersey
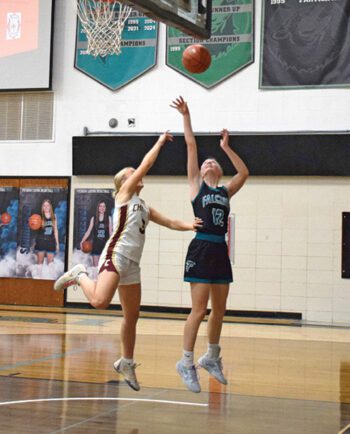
x: 212, y: 205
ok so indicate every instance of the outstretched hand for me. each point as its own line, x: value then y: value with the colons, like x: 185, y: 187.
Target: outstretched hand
x: 180, y: 105
x: 165, y: 137
x: 224, y: 141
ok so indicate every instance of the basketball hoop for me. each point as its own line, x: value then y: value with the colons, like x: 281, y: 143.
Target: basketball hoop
x: 103, y: 22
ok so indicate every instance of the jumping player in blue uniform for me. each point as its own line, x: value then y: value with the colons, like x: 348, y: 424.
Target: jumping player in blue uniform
x: 207, y: 266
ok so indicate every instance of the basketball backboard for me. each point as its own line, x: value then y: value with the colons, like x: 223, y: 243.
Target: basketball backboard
x: 190, y: 16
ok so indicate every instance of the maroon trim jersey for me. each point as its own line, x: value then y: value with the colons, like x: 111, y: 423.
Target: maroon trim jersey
x: 129, y: 227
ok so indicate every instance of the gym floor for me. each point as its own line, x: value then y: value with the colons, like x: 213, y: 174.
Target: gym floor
x: 57, y: 376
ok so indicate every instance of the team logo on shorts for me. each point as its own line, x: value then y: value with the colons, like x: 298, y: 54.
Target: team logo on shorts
x: 189, y: 265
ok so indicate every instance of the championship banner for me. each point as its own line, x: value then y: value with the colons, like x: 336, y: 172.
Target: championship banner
x: 138, y: 55
x: 231, y: 45
x: 42, y: 226
x: 305, y: 44
x: 8, y: 230
x: 93, y: 210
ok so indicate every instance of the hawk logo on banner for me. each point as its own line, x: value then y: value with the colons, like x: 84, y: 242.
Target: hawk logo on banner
x: 305, y: 44
x: 139, y: 53
x: 231, y: 45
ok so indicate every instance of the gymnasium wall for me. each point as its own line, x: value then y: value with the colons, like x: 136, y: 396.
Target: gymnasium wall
x: 288, y: 250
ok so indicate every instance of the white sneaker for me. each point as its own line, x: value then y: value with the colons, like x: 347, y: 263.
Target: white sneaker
x: 69, y: 278
x: 214, y: 367
x: 189, y: 376
x: 128, y: 372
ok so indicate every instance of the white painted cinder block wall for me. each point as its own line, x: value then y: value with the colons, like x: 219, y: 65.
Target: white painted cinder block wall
x: 288, y: 231
x: 287, y: 247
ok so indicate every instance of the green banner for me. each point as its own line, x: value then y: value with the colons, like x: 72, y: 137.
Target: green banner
x: 231, y: 45
x: 139, y: 53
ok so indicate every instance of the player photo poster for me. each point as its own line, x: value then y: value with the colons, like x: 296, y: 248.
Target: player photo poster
x: 8, y: 230
x: 93, y: 210
x: 42, y: 226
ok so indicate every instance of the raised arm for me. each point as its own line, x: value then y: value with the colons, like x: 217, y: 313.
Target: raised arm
x: 193, y: 172
x: 239, y: 179
x: 177, y: 225
x: 129, y: 187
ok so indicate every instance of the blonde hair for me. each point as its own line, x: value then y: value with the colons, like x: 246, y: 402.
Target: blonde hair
x: 216, y: 162
x: 118, y: 180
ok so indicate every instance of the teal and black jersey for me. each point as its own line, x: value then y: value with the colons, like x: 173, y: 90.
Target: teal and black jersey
x: 207, y: 259
x: 212, y: 205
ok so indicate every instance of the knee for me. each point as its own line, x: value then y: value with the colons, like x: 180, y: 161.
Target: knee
x: 218, y: 311
x: 131, y: 319
x: 199, y: 313
x: 99, y: 303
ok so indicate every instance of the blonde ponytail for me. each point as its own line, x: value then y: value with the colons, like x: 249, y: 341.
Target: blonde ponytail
x: 118, y: 180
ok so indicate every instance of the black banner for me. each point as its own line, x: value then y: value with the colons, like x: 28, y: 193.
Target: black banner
x: 305, y: 43
x: 264, y: 154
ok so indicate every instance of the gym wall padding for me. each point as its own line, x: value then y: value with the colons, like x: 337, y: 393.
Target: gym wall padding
x: 265, y: 154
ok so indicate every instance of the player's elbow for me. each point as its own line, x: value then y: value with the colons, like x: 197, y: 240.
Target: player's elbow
x: 245, y: 174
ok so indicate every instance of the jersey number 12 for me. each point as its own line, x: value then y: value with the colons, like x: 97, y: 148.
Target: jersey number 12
x: 218, y: 216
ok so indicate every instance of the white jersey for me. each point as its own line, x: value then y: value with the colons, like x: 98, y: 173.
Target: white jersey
x: 129, y: 226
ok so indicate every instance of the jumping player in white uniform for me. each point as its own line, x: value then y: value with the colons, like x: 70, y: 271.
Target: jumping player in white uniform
x: 207, y: 265
x: 119, y: 262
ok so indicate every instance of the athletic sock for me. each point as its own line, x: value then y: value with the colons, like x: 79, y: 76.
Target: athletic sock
x: 82, y: 273
x: 187, y: 358
x: 128, y: 361
x: 213, y: 351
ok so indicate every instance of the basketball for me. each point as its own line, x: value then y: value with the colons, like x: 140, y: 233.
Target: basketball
x: 196, y: 58
x: 5, y: 218
x: 35, y: 222
x: 86, y: 246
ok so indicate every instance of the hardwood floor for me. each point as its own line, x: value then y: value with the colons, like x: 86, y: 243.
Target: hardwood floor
x: 282, y: 379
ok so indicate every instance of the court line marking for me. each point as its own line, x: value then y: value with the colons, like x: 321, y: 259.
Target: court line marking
x: 157, y: 401
x: 117, y: 409
x: 343, y: 431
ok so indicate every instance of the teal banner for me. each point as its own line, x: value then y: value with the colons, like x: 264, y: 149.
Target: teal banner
x: 139, y: 53
x: 231, y: 45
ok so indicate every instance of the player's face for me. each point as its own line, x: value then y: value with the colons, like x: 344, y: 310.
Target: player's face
x: 211, y: 166
x: 102, y: 208
x: 46, y: 207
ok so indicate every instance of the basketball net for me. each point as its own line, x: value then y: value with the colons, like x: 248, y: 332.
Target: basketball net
x: 103, y: 22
